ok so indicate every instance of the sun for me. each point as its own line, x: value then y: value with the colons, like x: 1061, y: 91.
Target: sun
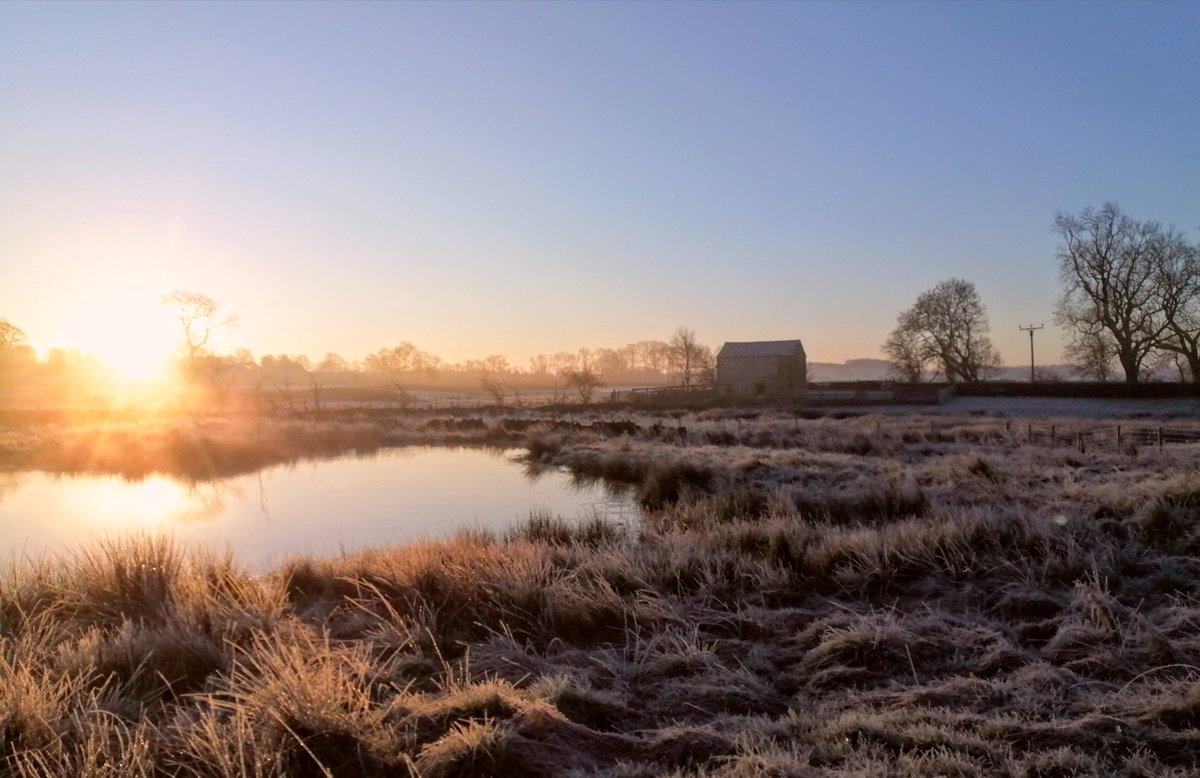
x: 128, y: 331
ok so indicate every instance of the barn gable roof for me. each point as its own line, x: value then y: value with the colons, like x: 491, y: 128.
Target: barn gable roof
x: 762, y: 348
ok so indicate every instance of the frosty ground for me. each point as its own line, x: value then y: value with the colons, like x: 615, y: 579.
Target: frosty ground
x: 824, y: 593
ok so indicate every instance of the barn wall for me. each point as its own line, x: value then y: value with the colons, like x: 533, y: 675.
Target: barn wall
x: 778, y: 375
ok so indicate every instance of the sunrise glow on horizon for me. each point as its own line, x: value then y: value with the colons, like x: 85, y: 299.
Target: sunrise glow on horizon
x: 522, y: 179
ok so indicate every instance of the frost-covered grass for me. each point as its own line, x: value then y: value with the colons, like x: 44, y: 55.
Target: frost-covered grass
x: 873, y: 595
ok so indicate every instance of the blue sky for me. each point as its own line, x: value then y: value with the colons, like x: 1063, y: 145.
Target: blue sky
x: 534, y: 177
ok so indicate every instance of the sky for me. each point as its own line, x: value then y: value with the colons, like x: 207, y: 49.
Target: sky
x: 523, y: 178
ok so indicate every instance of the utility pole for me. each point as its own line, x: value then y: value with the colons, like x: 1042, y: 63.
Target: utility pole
x: 1030, y: 330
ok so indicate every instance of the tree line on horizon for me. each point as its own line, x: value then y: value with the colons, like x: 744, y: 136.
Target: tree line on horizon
x: 1129, y: 300
x: 683, y: 359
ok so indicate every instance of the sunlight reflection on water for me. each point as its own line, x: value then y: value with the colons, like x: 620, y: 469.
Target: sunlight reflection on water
x: 318, y: 506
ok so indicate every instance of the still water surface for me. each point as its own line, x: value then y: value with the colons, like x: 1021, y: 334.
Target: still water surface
x: 321, y: 507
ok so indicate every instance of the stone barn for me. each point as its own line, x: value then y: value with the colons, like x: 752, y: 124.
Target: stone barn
x: 764, y: 368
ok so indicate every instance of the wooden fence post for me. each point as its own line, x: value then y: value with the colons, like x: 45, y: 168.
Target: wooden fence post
x: 1052, y: 435
x: 1118, y: 436
x: 1029, y: 434
x: 1160, y: 438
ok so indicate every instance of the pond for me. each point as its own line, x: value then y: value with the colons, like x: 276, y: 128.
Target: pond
x: 322, y: 507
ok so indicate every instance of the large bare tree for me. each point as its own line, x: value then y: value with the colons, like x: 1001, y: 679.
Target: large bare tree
x: 1176, y: 269
x: 944, y: 331
x: 686, y: 356
x: 1109, y: 283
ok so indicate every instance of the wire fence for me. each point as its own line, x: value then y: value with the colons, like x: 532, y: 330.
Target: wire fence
x: 1114, y: 437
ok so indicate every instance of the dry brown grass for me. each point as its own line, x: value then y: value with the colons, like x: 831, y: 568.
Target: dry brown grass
x: 943, y: 601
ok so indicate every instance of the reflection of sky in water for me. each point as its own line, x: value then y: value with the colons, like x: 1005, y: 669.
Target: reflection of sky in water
x: 320, y: 507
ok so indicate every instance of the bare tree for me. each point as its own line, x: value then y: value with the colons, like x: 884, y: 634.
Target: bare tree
x: 610, y: 363
x: 947, y: 328
x: 279, y: 376
x: 391, y: 362
x: 1108, y: 281
x: 494, y: 387
x: 13, y: 349
x: 11, y: 336
x: 1176, y: 267
x: 904, y: 348
x: 585, y: 382
x: 333, y: 363
x: 539, y: 365
x: 564, y: 362
x: 1092, y: 353
x: 655, y: 355
x: 685, y: 355
x: 224, y: 372
x: 198, y: 317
